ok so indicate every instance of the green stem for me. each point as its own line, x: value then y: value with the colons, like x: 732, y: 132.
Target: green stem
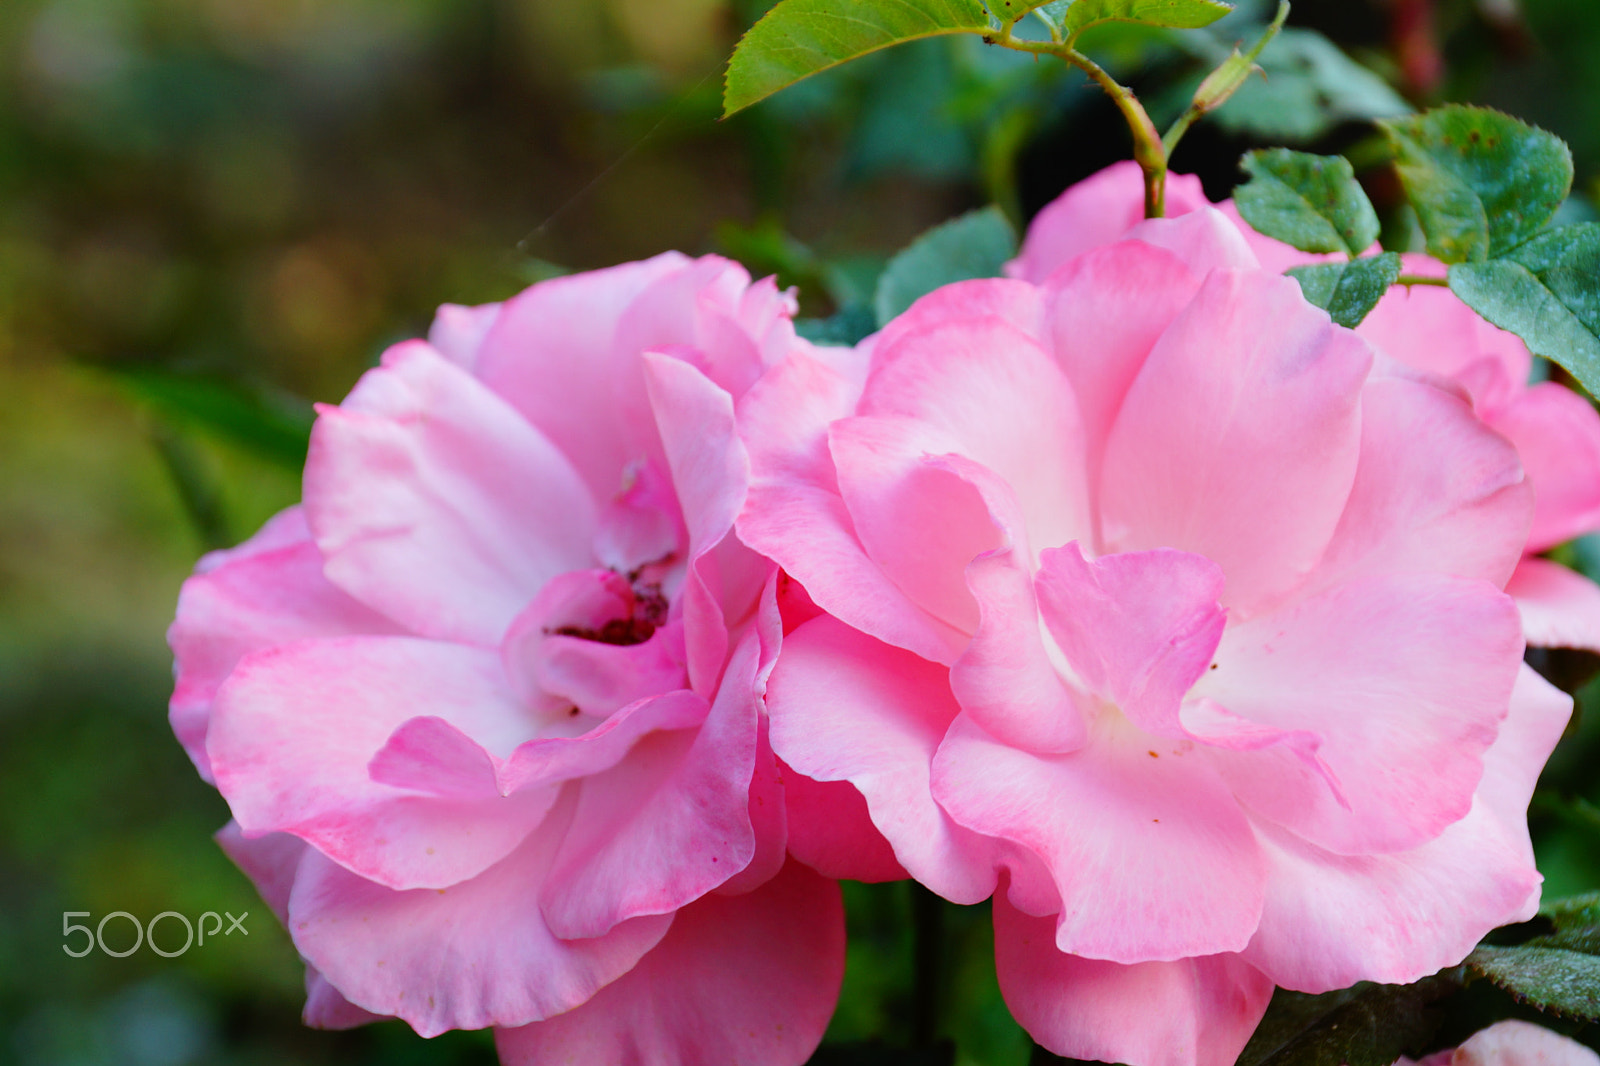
x: 1147, y: 148
x: 1418, y: 279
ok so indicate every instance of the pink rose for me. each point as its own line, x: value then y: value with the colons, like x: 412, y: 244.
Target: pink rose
x: 486, y: 707
x: 1556, y: 431
x: 1146, y: 601
x: 1514, y: 1043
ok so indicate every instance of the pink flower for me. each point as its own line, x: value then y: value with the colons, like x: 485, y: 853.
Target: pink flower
x: 1514, y: 1043
x: 486, y: 708
x: 1556, y: 431
x: 1147, y: 601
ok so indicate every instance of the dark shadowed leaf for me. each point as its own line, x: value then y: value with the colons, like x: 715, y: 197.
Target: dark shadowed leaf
x: 975, y: 245
x: 1547, y: 293
x: 1309, y: 87
x: 1559, y: 971
x: 1481, y: 182
x: 1310, y: 201
x: 798, y: 38
x: 1368, y: 1025
x: 1348, y: 291
x: 273, y: 426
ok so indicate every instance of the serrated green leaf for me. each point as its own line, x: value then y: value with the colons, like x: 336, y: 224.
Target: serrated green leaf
x: 1577, y: 921
x: 1567, y: 260
x: 1514, y: 298
x: 1348, y: 291
x: 272, y: 426
x: 1550, y: 978
x: 1172, y: 14
x: 1369, y: 1025
x: 1312, y: 202
x: 1481, y: 182
x: 975, y: 245
x: 799, y: 38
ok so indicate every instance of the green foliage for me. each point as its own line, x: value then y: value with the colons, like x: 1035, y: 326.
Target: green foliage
x: 975, y: 245
x: 271, y: 425
x: 798, y: 38
x: 1310, y: 87
x: 1368, y: 1025
x: 1312, y: 202
x: 1172, y: 14
x: 1558, y: 971
x: 1481, y: 182
x: 1348, y: 291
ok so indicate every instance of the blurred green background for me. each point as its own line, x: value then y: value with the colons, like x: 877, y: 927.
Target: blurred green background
x: 213, y: 212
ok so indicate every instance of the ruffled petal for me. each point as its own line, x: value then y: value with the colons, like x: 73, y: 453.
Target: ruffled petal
x: 294, y: 728
x: 1518, y: 1043
x: 1094, y: 212
x: 743, y: 979
x: 1188, y: 1012
x: 1151, y: 855
x: 1557, y: 434
x: 1196, y: 460
x: 667, y: 824
x: 469, y: 956
x: 831, y: 831
x: 264, y: 593
x: 1404, y: 678
x: 458, y: 332
x: 845, y: 707
x: 1205, y: 239
x: 1560, y: 608
x: 437, y: 504
x: 795, y: 515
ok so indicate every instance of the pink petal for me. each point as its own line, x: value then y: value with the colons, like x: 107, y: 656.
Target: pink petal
x: 1094, y: 212
x: 269, y: 861
x: 1557, y: 433
x: 845, y: 707
x: 1137, y: 628
x: 1204, y: 239
x: 831, y: 831
x: 251, y: 600
x: 1406, y: 680
x: 795, y: 516
x: 747, y: 979
x: 667, y: 824
x: 1518, y: 1043
x: 1331, y: 920
x: 996, y: 393
x: 552, y: 354
x: 1428, y: 327
x: 1016, y: 302
x: 711, y: 473
x: 1560, y: 608
x: 1196, y: 460
x: 918, y: 522
x: 1188, y: 1012
x: 465, y: 957
x: 1435, y: 492
x: 1151, y: 855
x: 1274, y: 256
x: 326, y: 1007
x: 435, y: 503
x: 458, y: 332
x: 1106, y: 311
x: 1005, y: 680
x: 294, y: 728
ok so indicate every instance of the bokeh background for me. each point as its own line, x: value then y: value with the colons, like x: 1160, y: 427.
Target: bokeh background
x: 214, y: 212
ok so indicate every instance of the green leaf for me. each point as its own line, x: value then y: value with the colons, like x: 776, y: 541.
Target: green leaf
x: 1481, y: 181
x: 1368, y: 1025
x: 1310, y: 201
x: 1567, y: 260
x: 273, y: 426
x: 975, y: 245
x: 1172, y: 14
x: 798, y: 38
x: 1517, y: 299
x: 1309, y: 88
x: 1553, y: 979
x: 1348, y: 291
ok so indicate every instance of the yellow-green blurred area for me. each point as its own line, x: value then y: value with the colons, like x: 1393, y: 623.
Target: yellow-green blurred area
x: 213, y: 212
